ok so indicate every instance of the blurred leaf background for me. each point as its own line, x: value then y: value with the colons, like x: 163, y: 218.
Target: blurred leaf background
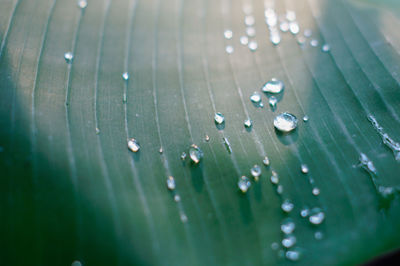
x: 70, y: 193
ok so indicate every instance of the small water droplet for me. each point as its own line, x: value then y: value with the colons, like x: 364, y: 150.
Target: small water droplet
x: 227, y: 145
x: 248, y: 123
x: 318, y: 235
x: 293, y: 255
x: 82, y: 4
x: 274, y: 246
x: 287, y: 206
x: 133, y: 145
x: 272, y: 102
x: 183, y: 156
x: 261, y: 105
x: 326, y: 48
x: 249, y: 20
x: 289, y: 241
x: 244, y: 183
x: 301, y: 40
x: 305, y: 118
x: 76, y: 263
x: 219, y: 118
x: 228, y: 34
x: 177, y: 198
x: 294, y: 28
x: 274, y: 178
x: 271, y: 21
x: 253, y: 46
x: 251, y: 31
x: 229, y: 49
x: 255, y: 97
x: 184, y: 218
x: 315, y: 191
x: 307, y: 33
x: 288, y: 226
x: 195, y: 154
x: 125, y: 76
x: 317, y: 216
x: 266, y: 161
x: 171, y: 183
x: 279, y: 189
x: 68, y: 56
x: 284, y: 26
x: 304, y: 169
x: 367, y: 164
x: 273, y: 86
x: 255, y: 171
x: 97, y: 131
x: 285, y: 122
x: 314, y: 43
x: 207, y: 138
x: 305, y: 212
x: 161, y: 150
x: 275, y: 39
x: 244, y: 40
x: 290, y: 15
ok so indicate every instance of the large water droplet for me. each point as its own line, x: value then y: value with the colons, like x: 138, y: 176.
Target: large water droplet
x: 255, y: 97
x: 317, y: 216
x: 288, y: 226
x: 228, y: 34
x: 82, y: 4
x: 171, y: 183
x: 287, y: 206
x: 248, y: 123
x: 133, y: 145
x: 255, y: 171
x: 285, y: 122
x: 68, y: 56
x: 219, y: 118
x: 244, y: 183
x: 273, y: 86
x: 195, y: 154
x: 289, y: 241
x: 125, y: 76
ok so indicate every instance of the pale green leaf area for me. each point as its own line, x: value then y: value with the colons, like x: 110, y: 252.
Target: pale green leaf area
x: 71, y: 190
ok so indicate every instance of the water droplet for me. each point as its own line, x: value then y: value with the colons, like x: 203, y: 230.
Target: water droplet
x: 195, y: 154
x: 305, y: 118
x: 161, y: 150
x: 289, y: 241
x: 253, y: 46
x: 285, y: 122
x: 244, y: 183
x: 307, y: 33
x: 244, y: 40
x: 183, y: 218
x: 273, y: 86
x: 293, y: 255
x: 275, y: 39
x: 227, y: 145
x: 266, y: 161
x: 97, y: 131
x: 229, y: 49
x: 125, y: 76
x: 315, y: 191
x: 219, y: 118
x: 133, y: 145
x: 76, y: 263
x: 288, y: 226
x: 284, y: 26
x: 271, y: 21
x: 255, y: 171
x: 326, y: 48
x: 255, y: 97
x: 279, y: 189
x: 274, y: 246
x: 314, y: 43
x: 261, y: 105
x: 304, y: 168
x: 272, y: 101
x: 248, y: 123
x: 177, y: 198
x: 318, y: 235
x: 249, y: 20
x: 274, y: 178
x: 305, y: 212
x: 301, y: 40
x: 317, y: 216
x: 68, y: 56
x: 171, y: 183
x: 251, y: 31
x: 183, y: 156
x: 207, y: 138
x: 367, y: 164
x: 287, y: 206
x: 82, y: 4
x: 388, y: 141
x: 228, y: 34
x: 294, y: 28
x: 290, y: 15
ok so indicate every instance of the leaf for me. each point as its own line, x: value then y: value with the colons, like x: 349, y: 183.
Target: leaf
x: 72, y: 191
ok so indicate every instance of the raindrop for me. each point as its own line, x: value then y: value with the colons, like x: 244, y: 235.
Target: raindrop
x: 133, y: 145
x: 255, y: 171
x: 326, y: 48
x: 177, y: 198
x: 251, y: 31
x: 274, y: 178
x: 304, y: 168
x: 244, y: 183
x: 68, y: 56
x: 249, y: 20
x: 273, y: 86
x: 289, y: 241
x: 183, y: 218
x: 285, y: 122
x: 293, y: 255
x: 284, y: 26
x: 314, y: 43
x: 255, y: 97
x: 248, y: 123
x: 287, y: 206
x: 244, y: 40
x: 318, y: 235
x: 317, y: 217
x: 305, y: 118
x: 315, y: 191
x: 82, y: 4
x: 195, y: 153
x: 219, y: 118
x: 228, y: 34
x: 266, y: 161
x: 207, y: 138
x: 272, y: 101
x: 229, y: 49
x: 288, y: 226
x: 171, y: 183
x: 253, y: 46
x: 294, y: 28
x: 125, y: 76
x: 183, y: 156
x: 227, y: 145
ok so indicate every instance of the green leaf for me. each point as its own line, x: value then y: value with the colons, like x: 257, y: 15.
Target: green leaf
x: 72, y: 191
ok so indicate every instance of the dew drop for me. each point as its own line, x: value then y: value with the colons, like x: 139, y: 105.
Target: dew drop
x: 249, y: 20
x: 161, y: 150
x: 244, y: 40
x: 125, y: 76
x: 317, y: 217
x: 289, y: 241
x: 255, y: 171
x: 272, y: 101
x: 293, y: 255
x: 294, y: 28
x: 305, y: 212
x: 273, y: 86
x: 304, y: 169
x: 195, y: 154
x: 287, y: 206
x: 228, y: 34
x: 183, y: 156
x: 248, y: 123
x: 266, y: 161
x: 255, y: 97
x: 253, y: 46
x: 219, y: 118
x: 244, y: 183
x: 318, y: 235
x: 171, y: 183
x: 82, y: 4
x: 326, y: 48
x: 251, y: 31
x: 316, y: 191
x: 133, y: 145
x: 305, y: 118
x: 229, y: 49
x: 274, y: 178
x: 314, y: 43
x: 288, y: 226
x: 275, y: 39
x: 285, y: 122
x: 68, y: 56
